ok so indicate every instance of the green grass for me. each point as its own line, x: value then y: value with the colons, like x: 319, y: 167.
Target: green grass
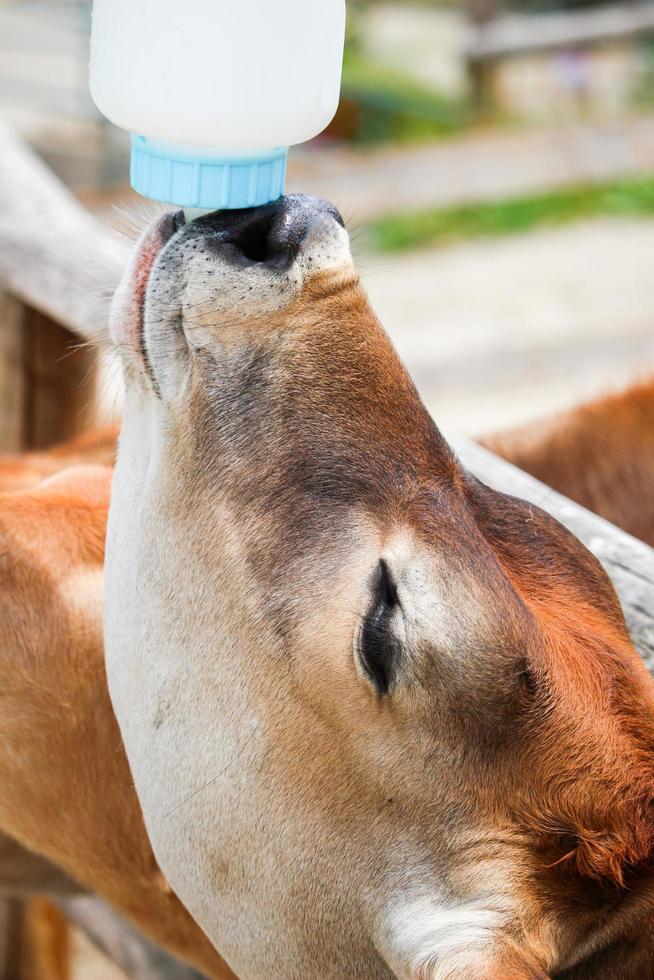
x: 397, y: 233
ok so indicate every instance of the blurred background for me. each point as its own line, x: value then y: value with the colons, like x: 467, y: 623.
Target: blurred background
x: 494, y: 160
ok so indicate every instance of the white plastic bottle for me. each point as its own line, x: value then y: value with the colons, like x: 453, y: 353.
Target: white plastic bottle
x: 215, y: 91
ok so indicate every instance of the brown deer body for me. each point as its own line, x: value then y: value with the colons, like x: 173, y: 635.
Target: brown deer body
x: 600, y: 454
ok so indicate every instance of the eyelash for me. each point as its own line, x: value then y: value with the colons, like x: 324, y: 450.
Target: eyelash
x: 379, y: 650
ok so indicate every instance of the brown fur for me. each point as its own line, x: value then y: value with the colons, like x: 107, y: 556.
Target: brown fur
x: 26, y: 470
x: 333, y: 422
x: 69, y: 514
x: 547, y: 733
x: 586, y: 669
x: 67, y: 793
x: 600, y: 454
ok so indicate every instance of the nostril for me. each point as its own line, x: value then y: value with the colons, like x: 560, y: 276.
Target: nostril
x: 270, y: 236
x: 254, y: 239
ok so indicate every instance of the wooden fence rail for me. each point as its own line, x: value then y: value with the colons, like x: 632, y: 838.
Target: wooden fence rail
x: 58, y: 269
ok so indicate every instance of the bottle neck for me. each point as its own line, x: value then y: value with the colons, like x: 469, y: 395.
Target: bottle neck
x: 206, y: 179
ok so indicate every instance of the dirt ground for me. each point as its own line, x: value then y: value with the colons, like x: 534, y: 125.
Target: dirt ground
x: 497, y: 332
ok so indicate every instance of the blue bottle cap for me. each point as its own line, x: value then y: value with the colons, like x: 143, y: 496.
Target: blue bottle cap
x: 196, y: 178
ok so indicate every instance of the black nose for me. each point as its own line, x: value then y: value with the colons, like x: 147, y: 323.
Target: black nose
x: 271, y: 235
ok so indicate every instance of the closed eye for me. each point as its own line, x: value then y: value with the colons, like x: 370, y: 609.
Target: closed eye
x: 379, y: 648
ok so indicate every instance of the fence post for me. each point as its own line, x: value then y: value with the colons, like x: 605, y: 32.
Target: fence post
x: 47, y: 380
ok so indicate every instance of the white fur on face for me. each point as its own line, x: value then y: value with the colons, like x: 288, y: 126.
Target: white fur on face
x: 180, y: 294
x: 212, y: 296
